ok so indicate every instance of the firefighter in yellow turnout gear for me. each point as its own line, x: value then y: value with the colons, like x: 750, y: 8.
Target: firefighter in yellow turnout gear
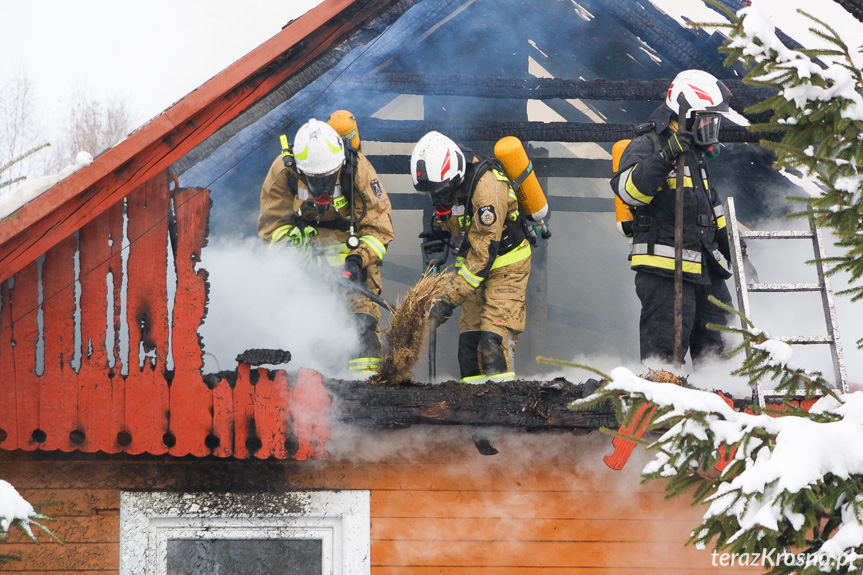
x: 324, y: 196
x: 476, y: 206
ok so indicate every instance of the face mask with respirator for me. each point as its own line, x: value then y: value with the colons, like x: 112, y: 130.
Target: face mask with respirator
x: 705, y: 132
x: 321, y: 188
x: 441, y: 194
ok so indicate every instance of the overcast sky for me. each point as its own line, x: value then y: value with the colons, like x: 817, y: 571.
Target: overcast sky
x: 152, y: 52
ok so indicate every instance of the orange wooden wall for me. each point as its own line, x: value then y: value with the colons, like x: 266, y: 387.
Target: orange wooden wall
x: 544, y: 505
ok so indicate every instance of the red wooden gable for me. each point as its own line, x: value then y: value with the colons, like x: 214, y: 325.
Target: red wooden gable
x: 76, y: 200
x: 65, y: 256
x: 81, y: 393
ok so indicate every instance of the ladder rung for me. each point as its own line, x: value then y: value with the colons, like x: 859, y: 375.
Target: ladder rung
x: 805, y: 339
x: 780, y: 235
x: 797, y: 287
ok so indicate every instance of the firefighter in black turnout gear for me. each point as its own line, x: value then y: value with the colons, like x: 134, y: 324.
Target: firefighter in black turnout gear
x: 646, y: 181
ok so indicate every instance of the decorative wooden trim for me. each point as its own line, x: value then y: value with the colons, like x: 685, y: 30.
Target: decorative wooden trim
x: 89, y: 393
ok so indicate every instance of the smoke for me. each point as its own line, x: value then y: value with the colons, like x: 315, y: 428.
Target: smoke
x: 272, y: 299
x: 439, y: 500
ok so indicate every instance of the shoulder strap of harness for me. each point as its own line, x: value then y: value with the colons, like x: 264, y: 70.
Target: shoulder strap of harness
x: 351, y: 163
x: 290, y: 164
x: 514, y: 231
x: 473, y: 173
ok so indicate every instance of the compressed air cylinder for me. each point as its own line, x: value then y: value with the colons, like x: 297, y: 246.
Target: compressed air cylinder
x: 345, y: 124
x: 622, y: 212
x: 531, y: 199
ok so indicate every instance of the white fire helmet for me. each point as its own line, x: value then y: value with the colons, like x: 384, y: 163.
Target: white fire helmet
x: 707, y: 100
x: 437, y: 167
x: 319, y: 154
x: 701, y: 91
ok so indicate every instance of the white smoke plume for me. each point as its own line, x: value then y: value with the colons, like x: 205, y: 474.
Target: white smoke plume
x: 272, y: 299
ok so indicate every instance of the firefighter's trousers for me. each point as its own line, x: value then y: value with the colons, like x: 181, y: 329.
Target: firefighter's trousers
x: 491, y: 320
x: 656, y: 326
x: 367, y: 314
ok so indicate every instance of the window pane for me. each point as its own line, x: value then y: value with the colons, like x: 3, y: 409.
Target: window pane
x: 244, y: 556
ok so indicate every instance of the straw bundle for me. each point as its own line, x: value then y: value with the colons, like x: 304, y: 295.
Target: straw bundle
x: 404, y: 337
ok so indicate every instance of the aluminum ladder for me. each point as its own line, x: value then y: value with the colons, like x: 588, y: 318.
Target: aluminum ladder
x: 735, y: 234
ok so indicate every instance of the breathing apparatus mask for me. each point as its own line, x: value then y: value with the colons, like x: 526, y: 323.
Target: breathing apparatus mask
x: 321, y: 187
x: 705, y: 131
x: 706, y: 100
x: 442, y: 194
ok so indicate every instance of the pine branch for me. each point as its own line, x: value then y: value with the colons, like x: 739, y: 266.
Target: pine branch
x: 562, y: 363
x: 22, y: 157
x: 12, y: 181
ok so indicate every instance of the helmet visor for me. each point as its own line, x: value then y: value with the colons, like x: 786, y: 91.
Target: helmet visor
x: 705, y: 129
x: 440, y: 193
x: 320, y: 184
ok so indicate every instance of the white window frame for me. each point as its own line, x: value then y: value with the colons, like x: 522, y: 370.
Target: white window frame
x: 339, y: 519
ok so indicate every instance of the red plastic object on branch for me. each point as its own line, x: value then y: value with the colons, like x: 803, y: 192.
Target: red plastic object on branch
x: 623, y: 447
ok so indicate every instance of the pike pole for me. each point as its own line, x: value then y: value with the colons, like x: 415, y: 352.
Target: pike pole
x: 350, y: 286
x: 678, y: 240
x: 429, y: 248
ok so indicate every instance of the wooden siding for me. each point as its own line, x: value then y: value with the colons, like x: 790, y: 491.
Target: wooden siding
x: 545, y: 504
x: 82, y: 392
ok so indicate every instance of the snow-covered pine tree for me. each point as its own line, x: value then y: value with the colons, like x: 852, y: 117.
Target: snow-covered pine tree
x: 818, y: 110
x: 784, y: 489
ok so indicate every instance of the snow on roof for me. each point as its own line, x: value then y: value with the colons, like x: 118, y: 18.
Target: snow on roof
x: 20, y: 194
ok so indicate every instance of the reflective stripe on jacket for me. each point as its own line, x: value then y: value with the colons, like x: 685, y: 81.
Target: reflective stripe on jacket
x: 647, y: 182
x: 493, y: 205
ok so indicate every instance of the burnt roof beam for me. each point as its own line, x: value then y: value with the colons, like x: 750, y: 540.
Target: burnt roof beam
x: 409, y: 131
x: 744, y: 95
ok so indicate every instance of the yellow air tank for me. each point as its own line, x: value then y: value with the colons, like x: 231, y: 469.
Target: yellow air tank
x: 345, y: 124
x: 622, y: 212
x: 531, y: 200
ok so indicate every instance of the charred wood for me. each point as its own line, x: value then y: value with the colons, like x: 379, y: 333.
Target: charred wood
x: 521, y: 404
x: 258, y: 357
x: 545, y: 167
x: 413, y: 130
x: 743, y: 95
x: 854, y: 7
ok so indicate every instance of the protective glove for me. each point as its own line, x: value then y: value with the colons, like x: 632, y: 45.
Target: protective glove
x: 441, y: 310
x: 353, y: 268
x: 678, y: 143
x: 297, y: 236
x: 430, y: 235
